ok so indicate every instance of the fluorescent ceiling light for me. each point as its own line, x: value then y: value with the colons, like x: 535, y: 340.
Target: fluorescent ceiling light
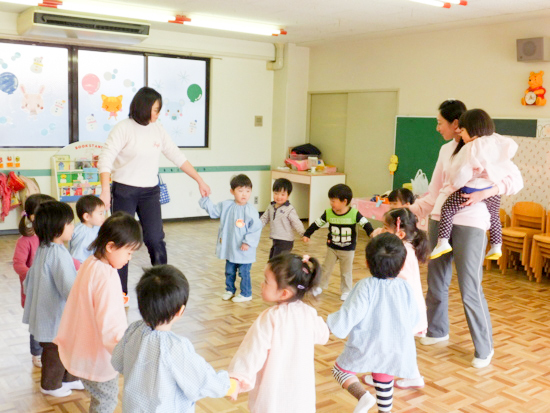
x: 459, y: 2
x: 433, y: 3
x: 233, y: 25
x: 110, y: 9
x: 23, y: 2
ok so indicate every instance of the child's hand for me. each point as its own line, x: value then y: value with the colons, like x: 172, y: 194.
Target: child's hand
x: 305, y: 239
x: 376, y: 232
x: 245, y: 247
x: 234, y: 389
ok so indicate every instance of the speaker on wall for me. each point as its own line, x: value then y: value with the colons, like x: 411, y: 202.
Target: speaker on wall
x: 535, y: 49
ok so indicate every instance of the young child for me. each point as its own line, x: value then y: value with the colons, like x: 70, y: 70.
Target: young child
x: 379, y: 317
x: 403, y: 223
x: 47, y: 287
x: 283, y: 219
x: 238, y: 236
x: 483, y: 161
x: 401, y: 197
x: 342, y: 237
x: 94, y: 319
x: 162, y: 372
x: 276, y: 358
x: 23, y: 256
x: 91, y: 213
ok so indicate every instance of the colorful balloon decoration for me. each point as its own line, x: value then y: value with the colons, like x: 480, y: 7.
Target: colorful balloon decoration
x: 90, y: 83
x: 194, y: 92
x: 8, y: 83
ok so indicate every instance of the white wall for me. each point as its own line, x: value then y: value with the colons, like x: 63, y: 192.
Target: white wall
x: 241, y: 88
x: 475, y: 64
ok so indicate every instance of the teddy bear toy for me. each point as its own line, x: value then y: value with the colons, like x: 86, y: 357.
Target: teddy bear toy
x: 535, y: 94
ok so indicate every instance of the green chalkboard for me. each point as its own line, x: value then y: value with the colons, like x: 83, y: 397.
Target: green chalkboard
x: 417, y: 143
x: 417, y: 146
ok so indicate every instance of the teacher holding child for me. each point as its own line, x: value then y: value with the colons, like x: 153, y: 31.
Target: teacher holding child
x: 131, y: 157
x: 468, y: 239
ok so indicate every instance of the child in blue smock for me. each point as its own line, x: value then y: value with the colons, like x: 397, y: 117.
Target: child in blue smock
x: 238, y: 236
x: 378, y: 316
x: 91, y: 213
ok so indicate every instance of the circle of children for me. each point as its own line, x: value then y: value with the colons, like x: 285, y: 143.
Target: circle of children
x: 80, y: 338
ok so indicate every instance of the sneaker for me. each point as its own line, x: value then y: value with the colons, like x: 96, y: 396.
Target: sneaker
x: 228, y: 295
x: 442, y: 247
x: 73, y: 385
x: 365, y: 403
x: 403, y: 384
x: 495, y: 252
x: 480, y: 363
x: 126, y: 300
x: 316, y: 291
x: 344, y: 296
x: 241, y: 298
x: 61, y: 392
x: 428, y: 341
x: 37, y: 361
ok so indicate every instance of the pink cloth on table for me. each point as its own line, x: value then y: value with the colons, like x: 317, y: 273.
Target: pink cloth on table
x: 440, y: 188
x: 275, y: 361
x: 411, y: 274
x: 93, y: 322
x: 23, y: 256
x: 369, y: 209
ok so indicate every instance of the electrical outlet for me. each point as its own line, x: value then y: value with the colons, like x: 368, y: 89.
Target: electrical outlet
x: 258, y: 120
x: 255, y: 200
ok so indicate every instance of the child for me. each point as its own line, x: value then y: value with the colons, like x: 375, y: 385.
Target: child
x: 94, y: 319
x: 276, y: 358
x: 484, y: 160
x: 162, y: 372
x: 238, y: 236
x: 47, y: 287
x: 379, y: 317
x: 401, y: 197
x: 23, y: 256
x: 283, y: 219
x: 402, y: 222
x: 91, y: 213
x: 342, y: 237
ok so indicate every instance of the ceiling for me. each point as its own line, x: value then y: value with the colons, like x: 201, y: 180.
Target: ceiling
x: 314, y: 21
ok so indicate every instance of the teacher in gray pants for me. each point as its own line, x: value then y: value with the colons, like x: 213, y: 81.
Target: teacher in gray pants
x: 468, y: 239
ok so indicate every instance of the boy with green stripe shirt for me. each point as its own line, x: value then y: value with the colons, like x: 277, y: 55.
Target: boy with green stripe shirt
x: 342, y: 237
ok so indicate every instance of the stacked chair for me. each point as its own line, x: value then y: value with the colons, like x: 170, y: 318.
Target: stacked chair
x: 540, y: 252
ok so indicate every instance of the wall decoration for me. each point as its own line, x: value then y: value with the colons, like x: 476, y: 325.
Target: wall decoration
x: 534, y: 95
x: 34, y: 84
x: 183, y: 86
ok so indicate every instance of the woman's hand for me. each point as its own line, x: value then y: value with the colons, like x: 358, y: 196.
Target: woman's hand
x: 106, y: 198
x: 478, y: 196
x: 204, y: 189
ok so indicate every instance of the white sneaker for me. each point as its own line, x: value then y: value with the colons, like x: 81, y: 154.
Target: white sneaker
x: 480, y: 363
x: 316, y: 291
x: 365, y: 403
x: 495, y: 252
x: 403, y: 384
x: 241, y: 298
x: 73, y: 385
x: 61, y: 392
x: 37, y: 361
x: 442, y: 247
x: 428, y: 341
x: 344, y: 296
x: 228, y: 295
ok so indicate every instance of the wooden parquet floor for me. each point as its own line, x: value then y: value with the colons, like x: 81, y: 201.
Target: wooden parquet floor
x: 517, y: 381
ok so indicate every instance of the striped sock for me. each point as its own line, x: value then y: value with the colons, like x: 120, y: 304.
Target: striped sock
x: 340, y: 375
x: 384, y: 395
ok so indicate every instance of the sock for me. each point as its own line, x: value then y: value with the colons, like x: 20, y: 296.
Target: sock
x: 340, y: 375
x: 356, y: 390
x: 384, y: 395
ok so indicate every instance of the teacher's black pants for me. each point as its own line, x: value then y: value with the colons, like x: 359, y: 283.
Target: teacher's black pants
x: 146, y: 203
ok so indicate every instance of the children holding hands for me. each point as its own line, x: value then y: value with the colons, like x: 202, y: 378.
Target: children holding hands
x: 342, y: 237
x: 283, y: 219
x: 238, y: 236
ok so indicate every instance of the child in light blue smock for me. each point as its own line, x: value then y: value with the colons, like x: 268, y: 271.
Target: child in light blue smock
x: 378, y: 316
x: 238, y: 236
x: 91, y: 213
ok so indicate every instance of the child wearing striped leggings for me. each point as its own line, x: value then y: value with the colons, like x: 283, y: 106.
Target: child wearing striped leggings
x: 379, y: 317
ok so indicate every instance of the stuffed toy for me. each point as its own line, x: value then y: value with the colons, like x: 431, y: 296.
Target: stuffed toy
x: 535, y: 94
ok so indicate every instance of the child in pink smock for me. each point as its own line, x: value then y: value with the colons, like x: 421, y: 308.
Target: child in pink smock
x: 275, y: 361
x: 403, y: 223
x: 94, y: 319
x: 483, y: 160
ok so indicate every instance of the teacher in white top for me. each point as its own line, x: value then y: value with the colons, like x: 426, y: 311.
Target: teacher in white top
x: 131, y: 157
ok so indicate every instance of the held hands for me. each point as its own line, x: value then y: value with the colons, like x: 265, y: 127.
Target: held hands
x: 245, y: 247
x: 234, y: 389
x: 204, y: 189
x: 305, y: 239
x: 105, y: 196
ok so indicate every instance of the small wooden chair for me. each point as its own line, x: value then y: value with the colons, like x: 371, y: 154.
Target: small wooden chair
x: 505, y: 221
x: 540, y: 251
x: 528, y: 219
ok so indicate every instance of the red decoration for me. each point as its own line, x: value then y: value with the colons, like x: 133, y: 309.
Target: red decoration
x: 180, y: 19
x: 51, y: 3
